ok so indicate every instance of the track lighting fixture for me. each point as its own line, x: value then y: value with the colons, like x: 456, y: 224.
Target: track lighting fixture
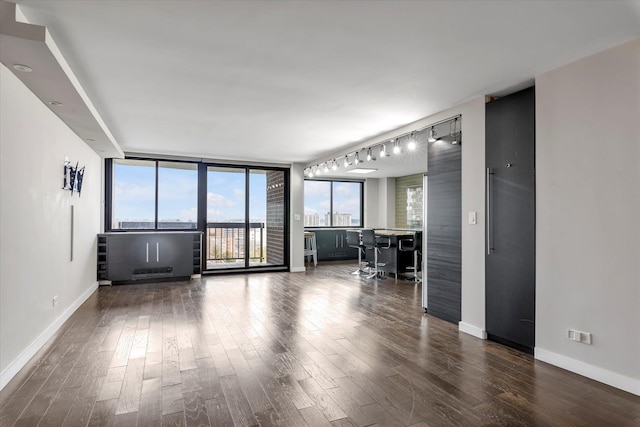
x: 411, y: 145
x: 396, y: 147
x: 455, y: 134
x: 370, y: 157
x: 432, y: 135
x: 399, y: 143
x: 346, y: 161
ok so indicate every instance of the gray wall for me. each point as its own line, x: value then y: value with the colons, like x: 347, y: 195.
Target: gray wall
x: 588, y: 206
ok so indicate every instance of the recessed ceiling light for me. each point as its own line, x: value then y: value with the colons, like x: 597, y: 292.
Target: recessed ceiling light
x: 362, y: 170
x: 55, y: 103
x: 23, y: 68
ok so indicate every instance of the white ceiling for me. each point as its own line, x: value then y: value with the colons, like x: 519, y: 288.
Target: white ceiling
x: 293, y: 81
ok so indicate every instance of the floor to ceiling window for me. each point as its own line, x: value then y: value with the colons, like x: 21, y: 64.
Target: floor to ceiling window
x: 241, y: 210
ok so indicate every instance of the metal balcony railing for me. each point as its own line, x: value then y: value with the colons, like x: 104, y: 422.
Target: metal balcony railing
x: 226, y: 243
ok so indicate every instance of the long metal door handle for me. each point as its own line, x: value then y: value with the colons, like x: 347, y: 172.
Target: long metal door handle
x: 147, y: 251
x: 336, y: 240
x: 488, y: 190
x: 157, y: 251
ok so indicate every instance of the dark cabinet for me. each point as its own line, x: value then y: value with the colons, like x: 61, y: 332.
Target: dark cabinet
x: 138, y: 256
x: 510, y: 216
x: 332, y: 245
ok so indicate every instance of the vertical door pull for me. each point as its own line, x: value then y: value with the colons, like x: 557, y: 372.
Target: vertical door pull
x: 147, y: 251
x: 157, y: 251
x: 488, y: 190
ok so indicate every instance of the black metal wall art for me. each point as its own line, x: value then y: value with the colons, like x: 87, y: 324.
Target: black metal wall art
x: 73, y: 177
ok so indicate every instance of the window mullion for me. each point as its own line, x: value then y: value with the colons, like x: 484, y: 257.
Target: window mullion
x: 156, y: 197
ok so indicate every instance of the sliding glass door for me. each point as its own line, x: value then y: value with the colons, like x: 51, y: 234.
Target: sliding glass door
x: 267, y: 214
x: 245, y: 225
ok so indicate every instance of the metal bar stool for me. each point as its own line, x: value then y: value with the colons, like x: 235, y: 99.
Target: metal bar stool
x: 415, y: 245
x: 370, y: 241
x: 353, y: 241
x: 310, y: 248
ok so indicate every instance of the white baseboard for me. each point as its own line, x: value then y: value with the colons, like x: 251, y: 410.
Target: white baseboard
x: 26, y: 355
x: 472, y: 330
x: 297, y: 269
x: 605, y: 376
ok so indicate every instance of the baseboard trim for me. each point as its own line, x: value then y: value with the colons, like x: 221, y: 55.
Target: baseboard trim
x: 297, y: 269
x: 26, y: 355
x: 472, y: 330
x: 605, y: 376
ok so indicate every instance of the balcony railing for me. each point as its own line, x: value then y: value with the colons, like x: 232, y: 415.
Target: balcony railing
x: 226, y: 244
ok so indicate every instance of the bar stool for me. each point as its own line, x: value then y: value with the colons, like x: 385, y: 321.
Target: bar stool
x: 353, y: 241
x: 370, y: 241
x: 310, y: 248
x: 415, y: 245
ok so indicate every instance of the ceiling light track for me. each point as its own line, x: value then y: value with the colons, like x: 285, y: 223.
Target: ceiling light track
x: 398, y: 143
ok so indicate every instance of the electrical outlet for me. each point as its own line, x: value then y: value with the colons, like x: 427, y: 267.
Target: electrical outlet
x: 54, y: 301
x: 579, y: 336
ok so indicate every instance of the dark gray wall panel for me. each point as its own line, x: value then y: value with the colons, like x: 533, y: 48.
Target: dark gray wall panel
x: 444, y: 231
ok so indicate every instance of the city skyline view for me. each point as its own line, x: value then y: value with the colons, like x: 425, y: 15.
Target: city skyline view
x: 346, y: 199
x: 134, y: 194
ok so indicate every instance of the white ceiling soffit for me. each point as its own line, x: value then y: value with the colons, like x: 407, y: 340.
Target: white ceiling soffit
x: 51, y: 79
x: 294, y: 81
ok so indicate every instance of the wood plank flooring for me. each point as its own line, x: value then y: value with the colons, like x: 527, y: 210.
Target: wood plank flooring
x: 323, y: 348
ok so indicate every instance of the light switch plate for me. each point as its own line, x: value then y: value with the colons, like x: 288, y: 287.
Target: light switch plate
x: 473, y: 218
x: 297, y: 217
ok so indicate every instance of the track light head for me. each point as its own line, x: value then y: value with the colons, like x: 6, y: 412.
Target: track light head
x: 334, y: 165
x: 396, y: 147
x: 370, y: 156
x: 411, y: 145
x: 432, y: 135
x: 383, y: 150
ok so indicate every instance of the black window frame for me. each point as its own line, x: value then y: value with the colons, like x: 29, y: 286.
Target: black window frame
x: 108, y: 196
x: 332, y: 181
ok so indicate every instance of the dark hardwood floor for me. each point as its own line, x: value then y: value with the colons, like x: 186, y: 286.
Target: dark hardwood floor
x: 290, y: 349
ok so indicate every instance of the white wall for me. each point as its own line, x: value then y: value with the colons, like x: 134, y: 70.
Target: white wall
x: 371, y: 202
x: 35, y: 224
x: 296, y: 200
x: 386, y: 203
x: 588, y: 213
